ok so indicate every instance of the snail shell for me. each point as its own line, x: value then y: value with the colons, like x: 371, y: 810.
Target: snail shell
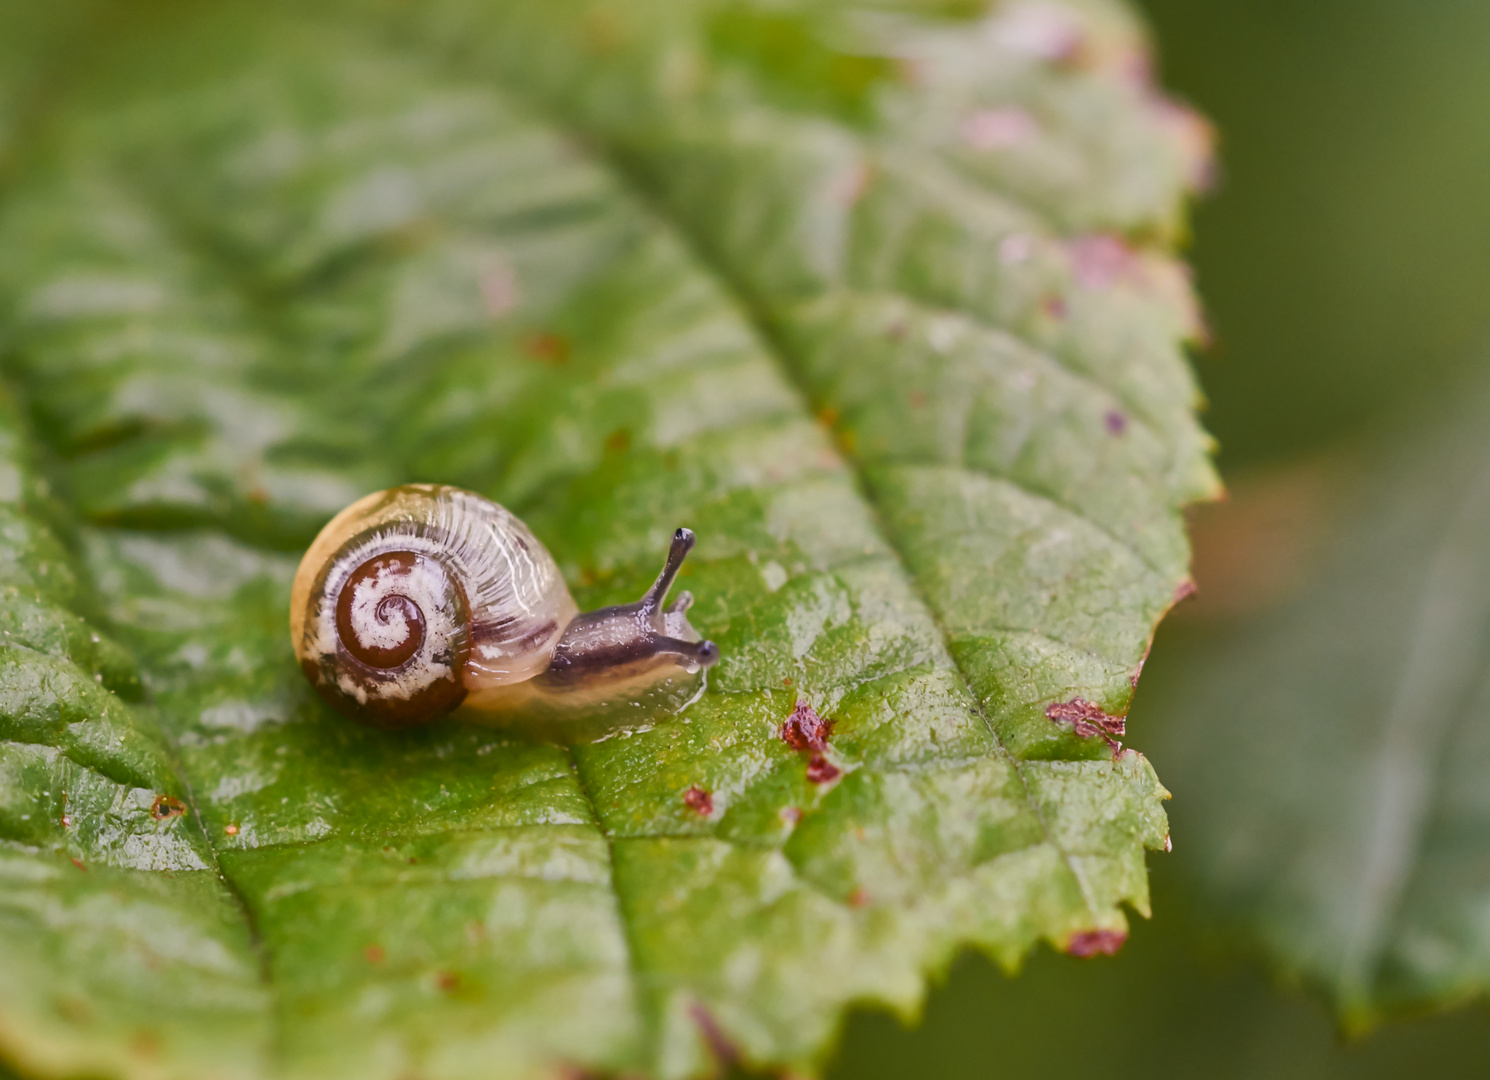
x: 422, y: 598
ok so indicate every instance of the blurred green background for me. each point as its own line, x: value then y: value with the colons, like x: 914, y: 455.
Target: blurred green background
x: 1344, y: 261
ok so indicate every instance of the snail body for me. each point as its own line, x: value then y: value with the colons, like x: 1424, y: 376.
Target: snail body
x: 424, y: 598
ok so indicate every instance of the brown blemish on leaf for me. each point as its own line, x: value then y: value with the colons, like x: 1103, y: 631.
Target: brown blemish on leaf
x: 618, y: 441
x: 231, y: 830
x: 820, y: 770
x: 700, y: 800
x: 166, y: 807
x: 448, y: 982
x: 1196, y: 138
x: 858, y: 898
x: 804, y: 729
x: 79, y: 864
x: 1138, y: 671
x: 1048, y: 33
x: 917, y: 399
x: 373, y: 954
x: 1096, y: 942
x: 498, y: 291
x: 1086, y: 718
x: 998, y: 129
x: 827, y: 416
x: 718, y: 1042
x: 145, y: 1043
x: 1099, y: 260
x: 546, y: 347
x: 848, y: 187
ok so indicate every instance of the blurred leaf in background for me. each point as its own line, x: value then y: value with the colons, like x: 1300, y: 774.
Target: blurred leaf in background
x: 1335, y: 735
x: 878, y: 299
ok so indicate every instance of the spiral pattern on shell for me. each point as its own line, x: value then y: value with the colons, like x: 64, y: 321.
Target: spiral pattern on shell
x: 412, y: 597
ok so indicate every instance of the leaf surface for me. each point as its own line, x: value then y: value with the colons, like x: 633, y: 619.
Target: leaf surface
x: 920, y: 391
x: 1332, y: 731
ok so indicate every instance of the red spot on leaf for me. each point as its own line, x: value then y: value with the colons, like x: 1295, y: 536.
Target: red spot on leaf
x: 1196, y: 138
x: 858, y: 898
x: 1099, y: 260
x: 1088, y: 719
x: 1053, y: 306
x: 1096, y: 942
x: 820, y: 770
x: 499, y: 291
x: 231, y: 830
x: 448, y: 981
x: 848, y: 187
x: 166, y: 807
x: 804, y: 729
x: 699, y: 799
x: 791, y: 814
x: 549, y: 348
x: 79, y: 864
x: 1138, y: 671
x: 1041, y: 31
x: 374, y: 954
x: 1116, y: 422
x: 997, y: 129
x: 723, y: 1049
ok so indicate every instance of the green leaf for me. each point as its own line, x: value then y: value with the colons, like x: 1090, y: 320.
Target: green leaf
x: 1332, y: 738
x: 769, y: 271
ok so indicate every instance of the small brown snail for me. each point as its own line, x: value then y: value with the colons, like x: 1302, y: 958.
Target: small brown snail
x: 422, y: 598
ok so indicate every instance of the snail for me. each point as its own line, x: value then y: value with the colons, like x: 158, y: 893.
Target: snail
x: 423, y: 598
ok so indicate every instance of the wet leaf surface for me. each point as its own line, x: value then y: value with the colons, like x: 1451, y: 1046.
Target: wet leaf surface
x: 913, y: 372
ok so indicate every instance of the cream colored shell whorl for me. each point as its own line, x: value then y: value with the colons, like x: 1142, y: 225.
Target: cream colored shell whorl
x: 413, y: 597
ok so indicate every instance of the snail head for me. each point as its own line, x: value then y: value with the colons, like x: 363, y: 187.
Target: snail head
x: 632, y: 641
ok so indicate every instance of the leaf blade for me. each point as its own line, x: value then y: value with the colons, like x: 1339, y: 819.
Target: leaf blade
x: 346, y: 262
